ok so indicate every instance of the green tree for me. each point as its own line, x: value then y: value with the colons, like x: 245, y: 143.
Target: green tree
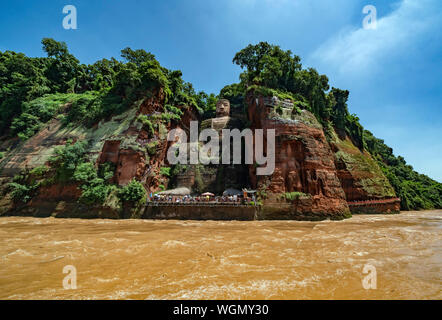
x: 66, y: 159
x: 268, y: 65
x: 133, y: 192
x: 339, y: 108
x: 63, y: 67
x: 21, y: 79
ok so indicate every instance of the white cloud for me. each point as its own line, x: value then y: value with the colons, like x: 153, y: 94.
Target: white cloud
x: 360, y: 51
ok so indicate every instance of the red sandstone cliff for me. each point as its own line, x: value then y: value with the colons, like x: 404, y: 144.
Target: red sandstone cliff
x: 122, y: 141
x: 304, y: 163
x: 324, y: 173
x: 133, y: 161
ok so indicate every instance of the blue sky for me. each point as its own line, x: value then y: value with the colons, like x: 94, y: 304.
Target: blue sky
x: 393, y: 73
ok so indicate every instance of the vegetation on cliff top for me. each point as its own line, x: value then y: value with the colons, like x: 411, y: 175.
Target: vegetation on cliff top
x: 270, y: 70
x: 34, y: 90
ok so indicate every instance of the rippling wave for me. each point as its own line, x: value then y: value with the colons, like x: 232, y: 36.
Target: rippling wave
x: 142, y: 259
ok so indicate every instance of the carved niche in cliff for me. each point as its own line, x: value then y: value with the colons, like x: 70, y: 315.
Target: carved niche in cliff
x: 289, y: 174
x: 217, y: 177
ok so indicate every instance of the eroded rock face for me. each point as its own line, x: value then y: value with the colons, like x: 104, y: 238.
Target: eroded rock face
x: 51, y: 200
x: 304, y: 161
x: 360, y: 175
x: 59, y: 193
x: 392, y: 205
x: 131, y: 165
x: 35, y: 151
x: 129, y: 150
x: 154, y: 103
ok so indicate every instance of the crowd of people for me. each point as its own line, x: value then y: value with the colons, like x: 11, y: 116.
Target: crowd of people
x: 188, y: 199
x: 373, y: 201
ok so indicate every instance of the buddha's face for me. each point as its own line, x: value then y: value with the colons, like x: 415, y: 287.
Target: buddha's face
x: 222, y: 108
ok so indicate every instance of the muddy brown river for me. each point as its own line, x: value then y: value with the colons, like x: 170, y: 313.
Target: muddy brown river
x: 143, y: 259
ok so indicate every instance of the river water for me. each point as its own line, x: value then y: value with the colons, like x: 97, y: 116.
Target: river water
x: 143, y: 259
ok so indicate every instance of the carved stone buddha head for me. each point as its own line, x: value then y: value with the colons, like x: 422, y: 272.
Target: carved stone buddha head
x: 222, y: 108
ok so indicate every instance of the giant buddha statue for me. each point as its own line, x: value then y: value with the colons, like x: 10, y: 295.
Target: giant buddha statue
x: 222, y: 115
x: 222, y: 108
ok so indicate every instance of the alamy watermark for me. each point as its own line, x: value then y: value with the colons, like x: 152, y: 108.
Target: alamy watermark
x: 70, y: 281
x: 370, y: 20
x: 70, y: 20
x: 369, y: 282
x: 185, y: 151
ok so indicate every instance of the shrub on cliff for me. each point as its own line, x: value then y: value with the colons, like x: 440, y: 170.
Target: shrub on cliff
x: 294, y: 196
x: 133, y: 192
x: 39, y: 111
x: 85, y: 172
x: 146, y: 123
x: 39, y: 172
x: 95, y: 193
x: 85, y: 109
x: 26, y: 125
x: 67, y: 165
x: 165, y: 171
x: 151, y: 147
x: 93, y: 183
x: 21, y: 192
x: 25, y: 184
x: 66, y: 159
x: 106, y: 170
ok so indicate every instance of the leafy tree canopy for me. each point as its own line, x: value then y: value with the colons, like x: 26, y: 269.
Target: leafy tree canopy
x: 106, y: 88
